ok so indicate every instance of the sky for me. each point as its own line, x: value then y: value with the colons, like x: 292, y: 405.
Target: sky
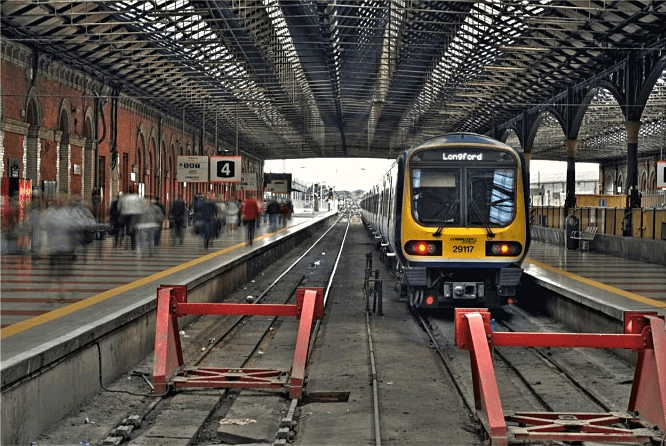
x: 343, y: 173
x: 362, y: 173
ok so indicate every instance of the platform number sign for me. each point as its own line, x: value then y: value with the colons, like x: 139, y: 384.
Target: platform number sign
x: 225, y: 168
x: 661, y: 174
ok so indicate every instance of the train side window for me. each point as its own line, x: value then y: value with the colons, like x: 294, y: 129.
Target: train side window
x: 390, y: 197
x: 386, y: 202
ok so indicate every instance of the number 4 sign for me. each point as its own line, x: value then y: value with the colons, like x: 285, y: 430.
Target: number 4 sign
x: 225, y: 168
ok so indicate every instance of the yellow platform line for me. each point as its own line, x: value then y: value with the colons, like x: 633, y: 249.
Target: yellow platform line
x: 93, y: 300
x: 594, y: 283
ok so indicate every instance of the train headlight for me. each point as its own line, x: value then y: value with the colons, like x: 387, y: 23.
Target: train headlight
x: 424, y: 247
x: 510, y: 249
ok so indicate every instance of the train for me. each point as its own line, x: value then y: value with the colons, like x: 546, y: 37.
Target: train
x: 453, y: 211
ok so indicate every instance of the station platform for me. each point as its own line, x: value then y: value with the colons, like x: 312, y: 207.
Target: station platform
x: 59, y: 333
x: 608, y: 285
x: 30, y: 288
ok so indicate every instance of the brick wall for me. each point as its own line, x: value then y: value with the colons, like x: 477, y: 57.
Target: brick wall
x: 56, y: 142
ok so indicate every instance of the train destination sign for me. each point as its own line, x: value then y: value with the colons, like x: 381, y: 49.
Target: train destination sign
x: 463, y: 156
x: 226, y: 169
x: 192, y: 169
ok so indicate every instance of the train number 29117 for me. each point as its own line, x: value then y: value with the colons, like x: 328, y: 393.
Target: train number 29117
x: 460, y: 248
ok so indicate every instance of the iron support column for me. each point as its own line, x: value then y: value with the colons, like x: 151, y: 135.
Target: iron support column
x: 570, y: 200
x: 632, y: 163
x: 528, y: 160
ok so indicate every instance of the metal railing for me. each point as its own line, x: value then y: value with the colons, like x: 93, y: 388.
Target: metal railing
x: 646, y: 223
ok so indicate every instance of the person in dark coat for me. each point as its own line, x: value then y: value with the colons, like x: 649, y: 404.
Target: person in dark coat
x: 207, y: 216
x: 117, y: 223
x: 179, y: 216
x: 273, y: 210
x: 158, y: 231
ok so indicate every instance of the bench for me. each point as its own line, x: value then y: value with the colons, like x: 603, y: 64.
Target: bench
x: 585, y: 236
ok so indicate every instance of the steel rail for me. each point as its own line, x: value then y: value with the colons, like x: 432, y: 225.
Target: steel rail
x: 202, y: 355
x: 596, y: 399
x: 229, y: 328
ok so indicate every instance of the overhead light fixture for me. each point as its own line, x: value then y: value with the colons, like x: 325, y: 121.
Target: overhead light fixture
x: 486, y: 84
x: 533, y: 49
x: 472, y: 95
x: 247, y: 90
x: 503, y: 68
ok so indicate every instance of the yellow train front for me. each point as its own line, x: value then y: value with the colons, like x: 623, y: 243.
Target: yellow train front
x: 454, y: 211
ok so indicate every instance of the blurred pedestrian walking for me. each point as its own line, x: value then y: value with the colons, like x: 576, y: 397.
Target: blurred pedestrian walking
x: 179, y: 216
x: 285, y: 213
x: 34, y: 220
x: 273, y: 211
x: 131, y: 207
x: 63, y: 228
x: 232, y: 214
x: 149, y: 221
x: 221, y: 221
x: 117, y: 222
x: 205, y: 220
x: 250, y: 210
x: 158, y: 231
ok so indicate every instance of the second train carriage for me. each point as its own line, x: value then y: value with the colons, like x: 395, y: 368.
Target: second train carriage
x: 454, y: 210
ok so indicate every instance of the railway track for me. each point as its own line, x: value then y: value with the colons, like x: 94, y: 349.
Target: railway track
x: 405, y: 384
x: 560, y: 380
x: 538, y: 380
x: 128, y: 411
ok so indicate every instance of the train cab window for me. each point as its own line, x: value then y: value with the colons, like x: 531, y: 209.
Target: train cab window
x: 491, y: 197
x: 435, y: 196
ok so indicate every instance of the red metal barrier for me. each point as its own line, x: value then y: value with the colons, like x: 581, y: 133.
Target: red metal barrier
x: 168, y: 368
x: 644, y: 333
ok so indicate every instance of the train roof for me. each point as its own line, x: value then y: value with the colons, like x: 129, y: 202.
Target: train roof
x: 461, y: 138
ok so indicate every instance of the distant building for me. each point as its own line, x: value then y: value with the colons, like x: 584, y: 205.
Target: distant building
x: 552, y: 191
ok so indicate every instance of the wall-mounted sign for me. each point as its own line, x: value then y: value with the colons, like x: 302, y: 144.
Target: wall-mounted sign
x: 277, y: 187
x: 661, y: 174
x: 248, y: 181
x: 225, y: 169
x: 192, y: 169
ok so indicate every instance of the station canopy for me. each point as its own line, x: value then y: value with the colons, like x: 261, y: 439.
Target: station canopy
x: 299, y: 79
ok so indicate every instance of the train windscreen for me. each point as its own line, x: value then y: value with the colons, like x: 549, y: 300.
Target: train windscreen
x: 491, y: 197
x: 474, y: 190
